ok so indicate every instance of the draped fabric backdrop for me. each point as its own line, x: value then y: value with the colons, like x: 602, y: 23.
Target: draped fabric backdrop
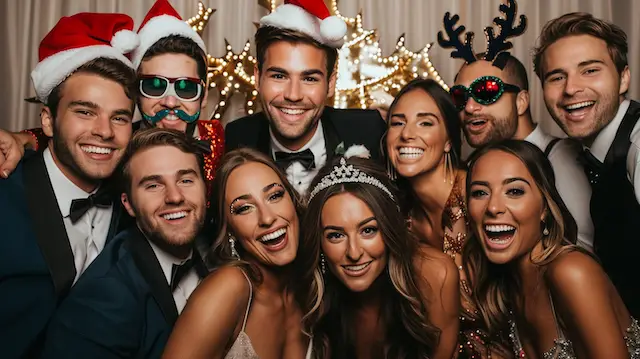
x: 25, y: 22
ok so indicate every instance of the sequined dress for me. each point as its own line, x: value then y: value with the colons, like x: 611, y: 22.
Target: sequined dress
x: 563, y: 348
x: 473, y: 339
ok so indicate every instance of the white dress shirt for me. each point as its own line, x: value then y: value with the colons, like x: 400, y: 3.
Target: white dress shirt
x: 300, y: 177
x: 600, y: 146
x: 88, y: 235
x: 186, y: 286
x: 571, y: 182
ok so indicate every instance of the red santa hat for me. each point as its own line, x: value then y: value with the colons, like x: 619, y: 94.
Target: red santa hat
x: 78, y: 39
x: 161, y: 21
x: 311, y: 17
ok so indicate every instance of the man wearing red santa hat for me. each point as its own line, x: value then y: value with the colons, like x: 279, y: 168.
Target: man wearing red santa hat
x: 297, y: 49
x: 57, y: 214
x: 171, y: 65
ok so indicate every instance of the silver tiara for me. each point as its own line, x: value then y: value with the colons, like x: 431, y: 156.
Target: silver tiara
x: 347, y: 174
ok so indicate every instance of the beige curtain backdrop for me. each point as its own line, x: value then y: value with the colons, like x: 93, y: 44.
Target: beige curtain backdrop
x: 25, y: 22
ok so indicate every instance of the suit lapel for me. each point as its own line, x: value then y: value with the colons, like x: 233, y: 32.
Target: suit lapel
x: 49, y: 228
x: 148, y: 264
x: 331, y: 139
x: 264, y: 137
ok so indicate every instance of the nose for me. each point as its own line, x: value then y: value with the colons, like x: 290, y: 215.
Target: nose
x: 572, y: 85
x: 408, y: 132
x: 103, y: 127
x: 471, y: 107
x: 495, y: 206
x: 293, y: 92
x: 354, y: 249
x: 266, y: 216
x: 173, y: 194
x: 169, y: 101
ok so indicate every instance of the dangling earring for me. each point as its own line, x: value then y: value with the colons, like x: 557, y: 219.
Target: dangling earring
x: 391, y: 171
x: 232, y: 242
x: 448, y: 168
x: 545, y: 231
x: 323, y: 264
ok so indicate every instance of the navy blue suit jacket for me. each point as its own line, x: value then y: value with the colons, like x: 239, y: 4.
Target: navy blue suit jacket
x: 36, y: 261
x: 121, y: 307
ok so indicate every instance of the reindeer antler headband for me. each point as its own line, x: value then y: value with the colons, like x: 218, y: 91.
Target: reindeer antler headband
x: 497, y: 46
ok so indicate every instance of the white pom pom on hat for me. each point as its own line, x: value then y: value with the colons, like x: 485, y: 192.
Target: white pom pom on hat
x: 125, y: 41
x: 310, y: 17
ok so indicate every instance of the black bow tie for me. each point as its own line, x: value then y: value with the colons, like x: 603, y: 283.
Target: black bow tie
x: 80, y: 206
x: 179, y: 271
x: 592, y: 166
x: 306, y: 159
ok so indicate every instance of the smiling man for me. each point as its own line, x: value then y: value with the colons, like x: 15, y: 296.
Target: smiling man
x: 57, y: 214
x: 295, y: 75
x: 582, y: 64
x: 127, y: 302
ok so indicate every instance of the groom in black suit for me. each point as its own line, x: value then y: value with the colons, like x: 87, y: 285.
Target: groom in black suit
x: 126, y: 303
x: 56, y: 213
x: 295, y: 74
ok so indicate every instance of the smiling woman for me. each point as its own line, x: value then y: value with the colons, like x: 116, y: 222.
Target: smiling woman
x: 526, y: 269
x: 253, y: 303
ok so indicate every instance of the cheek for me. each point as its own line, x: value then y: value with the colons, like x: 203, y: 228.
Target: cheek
x: 376, y: 247
x: 333, y: 252
x: 476, y: 209
x: 241, y: 226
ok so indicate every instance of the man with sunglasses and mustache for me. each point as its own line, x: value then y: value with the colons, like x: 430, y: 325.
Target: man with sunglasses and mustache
x: 491, y: 92
x: 172, y: 71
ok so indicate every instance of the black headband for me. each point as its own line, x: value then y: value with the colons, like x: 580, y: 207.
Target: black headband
x: 497, y: 45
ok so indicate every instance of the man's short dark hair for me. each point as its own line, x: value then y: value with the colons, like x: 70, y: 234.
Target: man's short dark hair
x: 267, y: 35
x: 516, y: 73
x: 155, y: 137
x: 176, y: 44
x: 108, y: 68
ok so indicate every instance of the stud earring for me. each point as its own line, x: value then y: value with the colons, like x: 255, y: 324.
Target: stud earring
x: 232, y: 242
x: 323, y: 264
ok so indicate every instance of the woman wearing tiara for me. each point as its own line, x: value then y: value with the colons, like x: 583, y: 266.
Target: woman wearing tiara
x: 385, y: 295
x: 251, y: 305
x: 526, y: 269
x: 423, y: 146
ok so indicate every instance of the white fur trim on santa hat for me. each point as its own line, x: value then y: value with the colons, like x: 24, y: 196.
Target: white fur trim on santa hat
x: 292, y: 17
x: 125, y: 41
x: 160, y: 27
x: 53, y: 70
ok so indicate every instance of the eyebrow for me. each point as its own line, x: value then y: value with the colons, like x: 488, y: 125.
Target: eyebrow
x: 303, y: 73
x: 179, y: 173
x: 122, y: 112
x: 507, y: 181
x: 581, y: 64
x: 266, y: 189
x: 360, y: 224
x: 89, y: 104
x: 419, y: 115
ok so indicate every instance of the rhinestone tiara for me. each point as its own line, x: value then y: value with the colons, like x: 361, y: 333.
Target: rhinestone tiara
x: 347, y: 174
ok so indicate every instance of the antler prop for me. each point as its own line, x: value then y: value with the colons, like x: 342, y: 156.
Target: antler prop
x: 463, y: 51
x: 499, y: 43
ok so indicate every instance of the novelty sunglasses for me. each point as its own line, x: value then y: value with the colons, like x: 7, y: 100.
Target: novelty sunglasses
x: 484, y: 90
x: 185, y: 88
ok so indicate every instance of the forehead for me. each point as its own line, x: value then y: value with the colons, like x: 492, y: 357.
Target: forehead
x: 510, y: 166
x: 161, y: 160
x: 107, y: 93
x: 570, y: 51
x: 416, y: 100
x: 479, y: 68
x: 346, y: 208
x: 295, y: 57
x: 250, y: 178
x: 170, y: 65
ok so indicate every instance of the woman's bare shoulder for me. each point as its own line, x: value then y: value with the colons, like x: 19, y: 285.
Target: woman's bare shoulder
x: 435, y: 266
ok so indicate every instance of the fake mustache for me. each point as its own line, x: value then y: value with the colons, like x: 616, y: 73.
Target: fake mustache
x: 163, y: 113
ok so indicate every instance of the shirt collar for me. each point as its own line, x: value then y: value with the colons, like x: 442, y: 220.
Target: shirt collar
x: 604, y: 139
x: 315, y: 144
x: 167, y: 260
x: 539, y: 137
x: 64, y: 190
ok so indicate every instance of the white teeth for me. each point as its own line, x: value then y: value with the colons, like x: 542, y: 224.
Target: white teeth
x: 410, y: 152
x: 292, y: 111
x: 273, y: 235
x: 355, y: 268
x: 499, y: 228
x: 176, y: 215
x: 95, y: 149
x: 576, y: 106
x: 171, y: 117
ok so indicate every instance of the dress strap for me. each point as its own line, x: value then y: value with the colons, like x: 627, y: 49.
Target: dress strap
x: 246, y: 314
x: 555, y: 318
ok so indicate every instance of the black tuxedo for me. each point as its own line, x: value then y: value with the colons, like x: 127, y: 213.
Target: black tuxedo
x: 36, y: 261
x: 346, y: 126
x: 616, y: 216
x: 121, y: 307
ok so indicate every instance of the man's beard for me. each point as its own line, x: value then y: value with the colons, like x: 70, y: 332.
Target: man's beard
x: 164, y: 240
x: 65, y: 156
x: 500, y: 129
x: 308, y: 126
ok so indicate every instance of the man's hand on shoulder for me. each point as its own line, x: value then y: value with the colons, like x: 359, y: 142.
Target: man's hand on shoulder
x: 12, y: 146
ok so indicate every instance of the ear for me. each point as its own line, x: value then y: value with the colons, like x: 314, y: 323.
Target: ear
x: 625, y: 77
x: 332, y: 83
x: 205, y: 97
x: 46, y: 119
x: 127, y: 205
x: 522, y: 102
x: 256, y: 75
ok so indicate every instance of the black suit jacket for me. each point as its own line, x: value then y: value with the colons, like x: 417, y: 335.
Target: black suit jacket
x: 121, y: 307
x: 347, y: 126
x: 36, y: 261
